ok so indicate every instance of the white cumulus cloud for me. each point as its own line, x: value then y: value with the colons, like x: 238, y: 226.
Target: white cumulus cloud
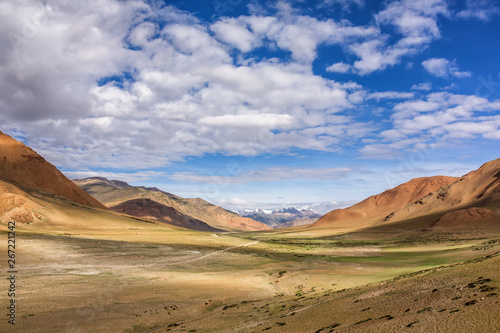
x: 442, y: 67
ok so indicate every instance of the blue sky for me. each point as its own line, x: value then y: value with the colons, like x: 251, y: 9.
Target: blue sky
x: 254, y: 103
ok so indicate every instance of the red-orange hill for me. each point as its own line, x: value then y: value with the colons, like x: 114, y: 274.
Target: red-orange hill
x: 465, y: 201
x: 380, y: 205
x: 473, y: 197
x: 23, y: 167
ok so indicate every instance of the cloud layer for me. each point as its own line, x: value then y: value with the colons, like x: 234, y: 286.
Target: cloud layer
x: 134, y: 86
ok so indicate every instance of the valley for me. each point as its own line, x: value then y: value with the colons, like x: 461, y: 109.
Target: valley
x: 423, y: 255
x: 147, y: 278
x: 249, y: 166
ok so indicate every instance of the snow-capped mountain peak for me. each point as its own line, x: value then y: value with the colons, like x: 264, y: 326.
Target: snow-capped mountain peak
x: 258, y: 211
x: 281, y: 216
x: 282, y: 211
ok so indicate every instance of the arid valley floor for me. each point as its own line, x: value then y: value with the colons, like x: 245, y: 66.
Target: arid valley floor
x: 133, y: 276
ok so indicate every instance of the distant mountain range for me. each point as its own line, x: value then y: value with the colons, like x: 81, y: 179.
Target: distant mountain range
x: 284, y: 217
x: 157, y: 205
x: 34, y: 191
x: 29, y: 185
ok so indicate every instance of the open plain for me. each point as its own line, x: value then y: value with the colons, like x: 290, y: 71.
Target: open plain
x: 122, y: 274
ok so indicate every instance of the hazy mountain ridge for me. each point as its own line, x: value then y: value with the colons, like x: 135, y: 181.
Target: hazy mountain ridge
x: 189, y: 211
x: 298, y: 222
x: 152, y: 210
